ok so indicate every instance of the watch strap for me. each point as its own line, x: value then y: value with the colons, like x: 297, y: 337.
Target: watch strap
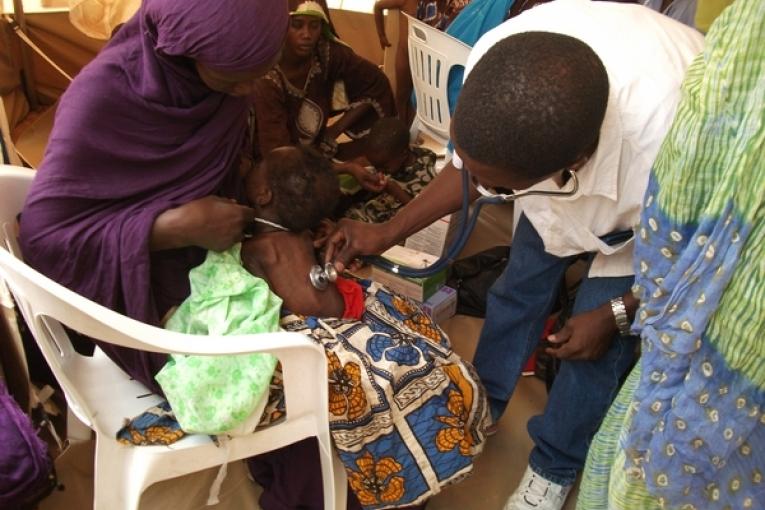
x: 620, y: 316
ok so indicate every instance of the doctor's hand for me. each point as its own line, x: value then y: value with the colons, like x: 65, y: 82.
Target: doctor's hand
x: 353, y: 238
x: 211, y: 222
x: 586, y: 336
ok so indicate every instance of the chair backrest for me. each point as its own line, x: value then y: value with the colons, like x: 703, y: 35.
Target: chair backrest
x: 14, y: 185
x: 432, y: 54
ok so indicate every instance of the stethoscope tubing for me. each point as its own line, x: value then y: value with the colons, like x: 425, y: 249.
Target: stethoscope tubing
x: 467, y: 224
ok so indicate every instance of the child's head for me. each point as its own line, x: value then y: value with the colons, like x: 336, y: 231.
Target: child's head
x: 296, y: 184
x: 387, y: 145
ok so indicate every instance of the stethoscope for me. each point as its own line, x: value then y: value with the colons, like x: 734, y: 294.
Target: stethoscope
x: 467, y: 222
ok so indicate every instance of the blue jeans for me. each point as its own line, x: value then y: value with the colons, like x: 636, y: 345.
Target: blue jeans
x: 518, y: 305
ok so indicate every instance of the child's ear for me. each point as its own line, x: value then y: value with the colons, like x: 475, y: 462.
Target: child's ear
x: 263, y: 196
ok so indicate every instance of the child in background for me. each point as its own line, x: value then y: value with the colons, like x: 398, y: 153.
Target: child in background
x: 292, y: 190
x: 406, y: 170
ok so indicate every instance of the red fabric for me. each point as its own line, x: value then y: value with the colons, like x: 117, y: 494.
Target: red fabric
x: 353, y: 297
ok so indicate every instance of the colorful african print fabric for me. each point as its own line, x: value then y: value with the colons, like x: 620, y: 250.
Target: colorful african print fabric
x: 412, y: 178
x: 688, y: 429
x: 439, y: 13
x: 155, y: 426
x: 407, y: 414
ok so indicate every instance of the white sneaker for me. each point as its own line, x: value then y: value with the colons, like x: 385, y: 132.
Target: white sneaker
x: 536, y: 492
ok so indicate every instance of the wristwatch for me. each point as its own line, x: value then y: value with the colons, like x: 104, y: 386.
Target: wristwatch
x: 620, y: 316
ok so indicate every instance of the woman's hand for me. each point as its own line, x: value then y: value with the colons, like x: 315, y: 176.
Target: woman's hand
x: 586, y: 336
x: 211, y: 222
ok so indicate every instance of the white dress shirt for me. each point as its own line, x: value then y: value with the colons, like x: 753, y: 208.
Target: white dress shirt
x: 645, y: 54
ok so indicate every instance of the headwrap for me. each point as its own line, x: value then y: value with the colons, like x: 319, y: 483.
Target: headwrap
x: 314, y: 9
x: 137, y: 133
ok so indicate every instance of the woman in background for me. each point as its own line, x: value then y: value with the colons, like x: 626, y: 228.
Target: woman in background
x: 296, y: 99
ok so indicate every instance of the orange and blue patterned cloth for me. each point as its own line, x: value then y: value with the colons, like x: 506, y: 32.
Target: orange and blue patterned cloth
x: 407, y: 414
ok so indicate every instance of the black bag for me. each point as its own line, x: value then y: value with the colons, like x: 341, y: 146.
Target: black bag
x: 471, y: 277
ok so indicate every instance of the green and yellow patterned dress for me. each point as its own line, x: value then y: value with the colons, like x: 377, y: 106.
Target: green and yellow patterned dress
x: 688, y: 429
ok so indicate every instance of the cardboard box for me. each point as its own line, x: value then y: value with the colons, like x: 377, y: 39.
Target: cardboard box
x: 419, y: 289
x: 435, y: 238
x: 442, y: 305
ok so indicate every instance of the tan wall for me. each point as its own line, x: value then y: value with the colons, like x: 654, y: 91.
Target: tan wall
x: 357, y: 29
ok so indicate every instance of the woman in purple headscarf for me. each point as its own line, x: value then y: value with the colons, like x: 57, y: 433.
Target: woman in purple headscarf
x: 140, y: 175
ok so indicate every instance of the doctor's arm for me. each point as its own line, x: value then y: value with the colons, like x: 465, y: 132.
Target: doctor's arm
x: 351, y: 239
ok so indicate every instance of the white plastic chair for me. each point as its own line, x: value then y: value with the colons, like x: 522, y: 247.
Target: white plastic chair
x: 432, y: 54
x: 102, y: 395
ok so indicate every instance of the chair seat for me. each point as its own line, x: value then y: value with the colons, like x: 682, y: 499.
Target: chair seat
x: 104, y: 386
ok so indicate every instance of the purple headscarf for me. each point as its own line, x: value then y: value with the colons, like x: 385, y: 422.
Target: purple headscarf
x: 137, y: 133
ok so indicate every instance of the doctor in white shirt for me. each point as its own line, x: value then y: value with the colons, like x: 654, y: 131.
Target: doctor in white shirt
x: 568, y: 86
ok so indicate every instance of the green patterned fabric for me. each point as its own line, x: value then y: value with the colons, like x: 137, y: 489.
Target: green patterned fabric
x: 216, y: 394
x: 605, y: 488
x: 688, y: 428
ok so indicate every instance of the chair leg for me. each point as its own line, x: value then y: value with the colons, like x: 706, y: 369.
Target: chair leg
x: 118, y: 484
x: 340, y: 480
x: 76, y: 431
x: 332, y: 474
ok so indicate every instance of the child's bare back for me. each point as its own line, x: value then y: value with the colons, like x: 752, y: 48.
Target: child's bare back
x: 284, y: 260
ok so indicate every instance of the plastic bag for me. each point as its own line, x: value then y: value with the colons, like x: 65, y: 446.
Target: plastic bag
x: 471, y: 277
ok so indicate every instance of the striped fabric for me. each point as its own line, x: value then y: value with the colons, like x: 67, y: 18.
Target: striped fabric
x: 688, y: 429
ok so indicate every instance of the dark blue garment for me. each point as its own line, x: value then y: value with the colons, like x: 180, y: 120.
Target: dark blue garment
x: 518, y: 305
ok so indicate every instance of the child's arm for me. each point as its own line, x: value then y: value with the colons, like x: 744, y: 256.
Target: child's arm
x: 397, y: 192
x: 380, y: 6
x: 370, y: 181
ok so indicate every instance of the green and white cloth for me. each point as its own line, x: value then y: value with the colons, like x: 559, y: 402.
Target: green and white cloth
x: 217, y: 394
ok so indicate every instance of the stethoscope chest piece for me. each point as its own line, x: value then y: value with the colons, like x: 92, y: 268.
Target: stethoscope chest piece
x: 321, y: 276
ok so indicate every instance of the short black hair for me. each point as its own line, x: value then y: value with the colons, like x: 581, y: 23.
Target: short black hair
x: 305, y: 188
x: 388, y: 135
x: 533, y: 104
